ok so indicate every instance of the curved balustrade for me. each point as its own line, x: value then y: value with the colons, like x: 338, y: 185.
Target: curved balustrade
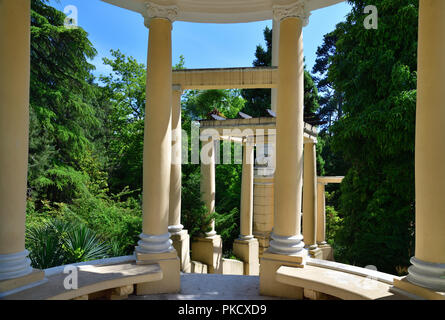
x: 112, y: 278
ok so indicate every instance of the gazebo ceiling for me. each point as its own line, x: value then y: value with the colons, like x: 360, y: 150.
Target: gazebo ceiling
x: 222, y: 11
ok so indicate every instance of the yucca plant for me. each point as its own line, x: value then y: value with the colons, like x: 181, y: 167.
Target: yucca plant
x: 43, y: 242
x: 57, y: 242
x: 82, y: 244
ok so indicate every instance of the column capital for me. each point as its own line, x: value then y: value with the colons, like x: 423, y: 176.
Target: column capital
x: 153, y: 10
x: 294, y: 10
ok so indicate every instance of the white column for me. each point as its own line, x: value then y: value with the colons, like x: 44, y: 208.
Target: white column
x: 310, y: 196
x: 246, y: 217
x: 321, y: 214
x: 428, y: 265
x: 208, y: 177
x: 275, y: 44
x: 174, y: 224
x: 286, y: 236
x: 155, y: 237
x: 14, y: 126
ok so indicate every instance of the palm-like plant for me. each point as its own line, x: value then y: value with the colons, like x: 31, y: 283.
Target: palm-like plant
x: 43, y: 245
x: 82, y: 244
x: 57, y: 242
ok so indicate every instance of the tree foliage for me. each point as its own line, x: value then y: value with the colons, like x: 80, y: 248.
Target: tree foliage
x: 124, y: 89
x: 375, y: 73
x: 259, y: 100
x: 62, y: 105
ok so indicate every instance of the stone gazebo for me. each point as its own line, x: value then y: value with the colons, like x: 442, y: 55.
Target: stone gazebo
x: 286, y: 270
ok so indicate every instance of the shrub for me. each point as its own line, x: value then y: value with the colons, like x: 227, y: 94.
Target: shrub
x: 194, y: 213
x: 119, y: 223
x: 45, y: 245
x: 333, y: 224
x: 82, y: 244
x: 58, y: 242
x: 227, y: 225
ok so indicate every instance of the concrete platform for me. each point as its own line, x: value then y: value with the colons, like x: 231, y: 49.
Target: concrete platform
x: 213, y: 287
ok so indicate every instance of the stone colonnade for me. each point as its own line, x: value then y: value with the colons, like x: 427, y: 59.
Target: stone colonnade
x: 208, y: 248
x: 286, y: 247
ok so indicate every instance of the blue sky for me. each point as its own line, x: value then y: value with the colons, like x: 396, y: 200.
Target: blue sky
x: 202, y: 45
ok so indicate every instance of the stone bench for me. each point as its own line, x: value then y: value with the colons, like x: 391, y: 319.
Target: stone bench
x: 356, y: 284
x: 94, y: 281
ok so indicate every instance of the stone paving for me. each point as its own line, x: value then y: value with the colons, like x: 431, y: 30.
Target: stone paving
x: 213, y: 287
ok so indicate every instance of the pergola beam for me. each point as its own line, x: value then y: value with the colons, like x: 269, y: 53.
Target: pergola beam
x: 238, y: 127
x: 333, y: 179
x: 227, y: 78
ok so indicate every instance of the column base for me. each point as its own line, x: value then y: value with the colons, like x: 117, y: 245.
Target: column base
x: 426, y: 274
x: 269, y: 264
x: 181, y: 243
x: 413, y: 291
x: 15, y: 265
x: 10, y: 286
x: 287, y: 245
x: 170, y: 266
x: 247, y: 251
x: 208, y: 251
x: 175, y: 229
x: 152, y: 244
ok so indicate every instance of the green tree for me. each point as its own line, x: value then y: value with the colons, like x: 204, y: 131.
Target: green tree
x: 62, y: 106
x: 124, y: 89
x: 199, y: 103
x: 331, y: 101
x: 375, y: 70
